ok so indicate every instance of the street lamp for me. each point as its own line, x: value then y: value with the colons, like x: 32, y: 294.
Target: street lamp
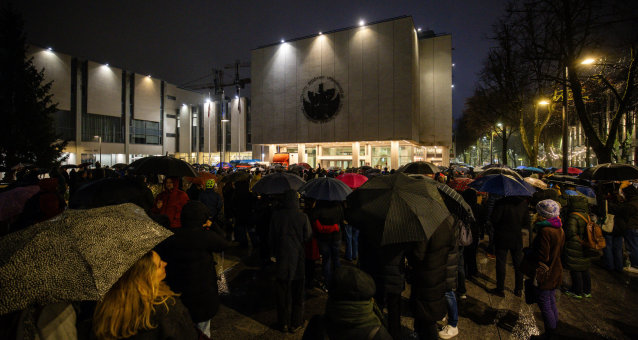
x: 99, y: 138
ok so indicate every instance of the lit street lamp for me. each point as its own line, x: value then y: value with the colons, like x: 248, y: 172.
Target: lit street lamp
x: 99, y: 138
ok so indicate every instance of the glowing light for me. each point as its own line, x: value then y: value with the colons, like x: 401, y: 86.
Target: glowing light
x: 452, y: 85
x: 236, y: 97
x: 361, y: 22
x: 588, y: 61
x: 283, y: 41
x: 543, y: 102
x: 148, y: 76
x: 453, y: 64
x: 320, y: 33
x: 207, y: 100
x: 418, y: 29
x: 107, y: 64
x: 50, y: 49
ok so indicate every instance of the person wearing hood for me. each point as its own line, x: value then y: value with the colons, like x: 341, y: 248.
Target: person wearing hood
x: 577, y: 257
x: 289, y: 230
x: 170, y: 201
x: 544, y: 262
x: 191, y: 266
x: 351, y: 312
x: 211, y: 199
x: 627, y: 221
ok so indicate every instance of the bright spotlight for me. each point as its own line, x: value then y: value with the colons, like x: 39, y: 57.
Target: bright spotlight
x: 452, y: 85
x: 588, y: 61
x: 283, y: 41
x: 50, y: 49
x: 418, y: 29
x: 207, y: 100
x: 543, y: 102
x: 320, y: 33
x: 149, y: 76
x: 107, y: 64
x: 361, y: 22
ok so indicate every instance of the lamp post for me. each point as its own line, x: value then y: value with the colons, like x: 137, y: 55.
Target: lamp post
x: 99, y: 138
x: 499, y: 125
x: 565, y: 119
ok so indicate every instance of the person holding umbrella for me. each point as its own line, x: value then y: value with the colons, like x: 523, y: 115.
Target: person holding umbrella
x: 140, y: 305
x: 170, y: 201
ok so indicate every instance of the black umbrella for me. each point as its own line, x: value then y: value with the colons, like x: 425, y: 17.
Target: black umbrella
x: 495, y: 165
x: 69, y: 166
x: 454, y: 202
x: 112, y: 191
x: 236, y: 176
x: 397, y: 208
x: 502, y: 170
x: 611, y: 172
x: 278, y: 183
x: 164, y: 165
x: 420, y: 168
x: 325, y: 189
x: 119, y: 166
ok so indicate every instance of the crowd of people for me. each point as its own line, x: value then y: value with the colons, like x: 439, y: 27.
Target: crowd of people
x: 172, y: 292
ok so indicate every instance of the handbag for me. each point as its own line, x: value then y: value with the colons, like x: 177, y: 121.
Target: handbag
x: 608, y: 224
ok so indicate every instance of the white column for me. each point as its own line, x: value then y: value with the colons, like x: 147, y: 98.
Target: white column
x: 301, y: 152
x: 368, y: 155
x: 272, y: 149
x: 394, y: 155
x: 355, y: 154
x: 445, y: 156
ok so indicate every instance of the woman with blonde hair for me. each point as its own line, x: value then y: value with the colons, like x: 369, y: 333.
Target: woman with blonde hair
x: 141, y: 306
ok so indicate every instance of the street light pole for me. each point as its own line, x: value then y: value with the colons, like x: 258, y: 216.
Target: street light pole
x: 491, y: 141
x: 565, y: 121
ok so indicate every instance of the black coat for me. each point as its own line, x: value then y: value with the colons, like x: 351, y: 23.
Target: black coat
x: 509, y: 216
x: 289, y: 230
x: 452, y: 265
x: 243, y: 203
x: 191, y: 267
x: 328, y: 213
x: 386, y: 266
x: 428, y: 261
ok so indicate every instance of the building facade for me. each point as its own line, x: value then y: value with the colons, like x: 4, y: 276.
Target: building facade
x: 116, y: 115
x: 378, y: 94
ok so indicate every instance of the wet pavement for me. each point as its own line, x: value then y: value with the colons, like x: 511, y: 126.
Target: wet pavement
x: 248, y: 306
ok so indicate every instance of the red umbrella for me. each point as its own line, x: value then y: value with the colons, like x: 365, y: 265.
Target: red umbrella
x: 571, y: 171
x: 352, y: 180
x: 460, y: 184
x: 12, y: 202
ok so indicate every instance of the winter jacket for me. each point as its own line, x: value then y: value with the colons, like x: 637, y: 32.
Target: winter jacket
x: 428, y: 260
x: 385, y: 264
x: 452, y: 264
x: 627, y: 215
x: 213, y: 202
x: 289, y: 229
x: 243, y: 203
x: 172, y: 203
x: 510, y: 215
x: 327, y: 213
x: 172, y: 321
x: 576, y: 256
x: 190, y: 266
x: 547, y: 248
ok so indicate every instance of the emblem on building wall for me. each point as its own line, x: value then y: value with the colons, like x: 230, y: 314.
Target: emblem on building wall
x: 321, y: 98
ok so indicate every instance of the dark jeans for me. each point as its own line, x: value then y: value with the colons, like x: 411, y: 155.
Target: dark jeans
x: 352, y: 242
x: 469, y: 258
x: 501, y: 261
x: 581, y: 282
x: 329, y: 251
x: 490, y: 245
x: 393, y: 303
x: 452, y: 309
x: 547, y: 303
x: 290, y: 302
x: 612, y: 253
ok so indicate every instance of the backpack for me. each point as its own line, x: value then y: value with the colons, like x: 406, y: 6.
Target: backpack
x: 465, y: 233
x: 595, y: 239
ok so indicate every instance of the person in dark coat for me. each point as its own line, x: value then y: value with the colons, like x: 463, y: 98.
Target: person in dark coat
x: 627, y: 216
x: 327, y: 218
x: 243, y: 206
x: 428, y: 260
x: 195, y: 190
x: 546, y: 251
x: 577, y: 257
x: 289, y: 230
x: 510, y: 215
x: 211, y: 199
x: 451, y: 284
x: 350, y: 313
x: 469, y: 252
x: 191, y: 266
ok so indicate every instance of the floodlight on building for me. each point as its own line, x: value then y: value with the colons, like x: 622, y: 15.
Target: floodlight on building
x: 588, y: 61
x: 452, y: 85
x: 543, y: 102
x: 361, y: 22
x: 50, y: 49
x: 418, y: 29
x: 207, y: 100
x: 283, y: 41
x: 148, y: 76
x: 107, y: 64
x: 236, y: 97
x: 453, y: 64
x: 225, y: 120
x: 183, y: 104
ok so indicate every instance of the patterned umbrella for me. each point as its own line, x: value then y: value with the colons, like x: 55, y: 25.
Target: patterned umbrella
x: 454, y: 202
x: 460, y: 184
x: 76, y: 256
x: 278, y: 183
x: 352, y: 180
x: 502, y: 170
x: 164, y: 165
x: 397, y: 208
x: 12, y: 201
x: 325, y: 189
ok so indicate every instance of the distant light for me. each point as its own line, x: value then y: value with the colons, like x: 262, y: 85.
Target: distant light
x: 283, y: 41
x: 453, y: 64
x: 225, y: 120
x: 236, y: 97
x: 452, y: 85
x: 183, y: 104
x: 588, y: 61
x: 107, y: 64
x: 207, y: 100
x: 418, y: 29
x: 543, y: 102
x: 149, y: 76
x: 320, y: 33
x: 50, y: 49
x: 361, y: 22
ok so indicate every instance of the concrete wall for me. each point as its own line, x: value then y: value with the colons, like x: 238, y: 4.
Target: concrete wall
x: 104, y: 90
x: 435, y: 60
x: 237, y: 124
x: 57, y: 68
x: 147, y: 98
x: 376, y: 66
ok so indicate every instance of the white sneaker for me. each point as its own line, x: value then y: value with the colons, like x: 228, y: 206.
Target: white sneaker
x: 631, y: 269
x: 448, y: 332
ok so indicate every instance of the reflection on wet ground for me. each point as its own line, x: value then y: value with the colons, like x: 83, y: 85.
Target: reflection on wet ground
x: 248, y: 306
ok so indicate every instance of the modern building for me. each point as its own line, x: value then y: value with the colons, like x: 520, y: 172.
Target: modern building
x: 117, y: 115
x: 378, y: 94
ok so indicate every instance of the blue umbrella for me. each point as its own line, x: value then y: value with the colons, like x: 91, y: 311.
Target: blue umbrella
x: 325, y: 189
x: 503, y: 185
x: 533, y: 169
x: 521, y: 167
x: 587, y: 191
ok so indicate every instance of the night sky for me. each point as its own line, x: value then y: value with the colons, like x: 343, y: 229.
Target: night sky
x: 180, y: 41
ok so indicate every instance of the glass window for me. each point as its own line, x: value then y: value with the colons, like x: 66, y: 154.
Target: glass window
x: 64, y: 125
x: 107, y: 127
x: 380, y: 156
x: 406, y: 153
x: 312, y: 156
x: 145, y: 132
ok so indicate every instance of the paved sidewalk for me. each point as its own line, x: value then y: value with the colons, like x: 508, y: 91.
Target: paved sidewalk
x: 248, y: 308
